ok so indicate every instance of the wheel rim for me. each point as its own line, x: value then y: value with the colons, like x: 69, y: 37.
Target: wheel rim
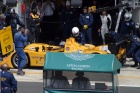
x: 15, y: 60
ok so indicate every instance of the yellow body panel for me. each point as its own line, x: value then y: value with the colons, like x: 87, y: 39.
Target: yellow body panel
x: 6, y: 40
x: 7, y: 60
x: 121, y: 53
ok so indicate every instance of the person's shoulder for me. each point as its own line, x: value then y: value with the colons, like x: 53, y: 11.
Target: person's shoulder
x: 52, y: 2
x: 89, y: 14
x: 63, y: 77
x: 80, y: 34
x: 85, y: 78
x: 81, y: 14
x: 76, y: 78
x: 17, y: 34
x: 16, y: 15
x: 132, y: 22
x: 9, y: 73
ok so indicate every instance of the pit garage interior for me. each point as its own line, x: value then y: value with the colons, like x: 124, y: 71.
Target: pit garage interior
x: 22, y: 5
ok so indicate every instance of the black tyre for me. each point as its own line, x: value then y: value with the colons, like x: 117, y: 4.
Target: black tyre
x: 14, y: 60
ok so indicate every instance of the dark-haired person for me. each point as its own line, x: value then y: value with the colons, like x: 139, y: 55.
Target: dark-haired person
x: 81, y: 82
x: 12, y: 19
x: 19, y: 38
x: 34, y: 18
x: 67, y: 15
x: 8, y: 81
x: 86, y: 21
x: 106, y: 23
x: 58, y: 81
x: 2, y: 23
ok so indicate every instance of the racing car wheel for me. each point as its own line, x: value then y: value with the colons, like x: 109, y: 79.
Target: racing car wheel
x: 14, y: 60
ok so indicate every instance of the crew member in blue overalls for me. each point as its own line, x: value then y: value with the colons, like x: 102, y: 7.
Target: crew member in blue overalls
x: 12, y: 19
x: 86, y: 21
x: 2, y: 23
x: 127, y: 30
x: 135, y: 47
x: 8, y: 81
x: 128, y: 26
x: 19, y: 39
x: 136, y: 41
x: 78, y: 36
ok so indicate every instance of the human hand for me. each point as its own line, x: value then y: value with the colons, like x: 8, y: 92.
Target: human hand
x: 4, y: 28
x: 85, y: 27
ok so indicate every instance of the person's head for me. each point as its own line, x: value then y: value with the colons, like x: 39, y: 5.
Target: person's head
x: 68, y: 4
x: 48, y: 0
x: 5, y: 67
x: 104, y: 12
x: 12, y: 12
x: 85, y: 10
x: 94, y: 2
x: 2, y: 16
x: 58, y: 73
x: 75, y: 31
x: 39, y: 3
x: 22, y: 30
x: 34, y: 10
x: 127, y: 16
x: 63, y: 3
x: 79, y: 73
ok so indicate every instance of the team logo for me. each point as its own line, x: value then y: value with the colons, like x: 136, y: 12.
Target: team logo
x: 6, y: 39
x: 79, y: 56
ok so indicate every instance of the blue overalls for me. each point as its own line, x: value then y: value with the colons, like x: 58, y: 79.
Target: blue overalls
x: 1, y: 25
x: 67, y: 16
x: 137, y: 43
x: 87, y: 19
x: 80, y: 38
x: 128, y: 28
x: 8, y: 82
x: 13, y: 21
x: 135, y: 49
x: 19, y: 40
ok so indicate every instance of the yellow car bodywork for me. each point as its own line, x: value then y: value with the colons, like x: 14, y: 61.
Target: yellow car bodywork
x: 36, y: 52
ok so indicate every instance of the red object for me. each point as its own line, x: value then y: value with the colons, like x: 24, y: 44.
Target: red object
x: 23, y: 8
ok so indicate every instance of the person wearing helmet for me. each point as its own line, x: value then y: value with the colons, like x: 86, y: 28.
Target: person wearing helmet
x: 128, y: 26
x: 86, y: 21
x: 12, y: 19
x: 128, y: 29
x: 78, y: 35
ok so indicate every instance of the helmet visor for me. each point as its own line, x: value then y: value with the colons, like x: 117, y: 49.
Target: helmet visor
x: 75, y: 34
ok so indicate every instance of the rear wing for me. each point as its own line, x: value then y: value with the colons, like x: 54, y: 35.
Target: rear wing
x: 6, y: 41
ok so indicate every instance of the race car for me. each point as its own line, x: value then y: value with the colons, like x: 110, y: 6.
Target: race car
x: 35, y: 52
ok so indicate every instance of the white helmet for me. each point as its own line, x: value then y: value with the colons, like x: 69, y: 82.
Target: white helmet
x: 75, y: 31
x: 127, y: 16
